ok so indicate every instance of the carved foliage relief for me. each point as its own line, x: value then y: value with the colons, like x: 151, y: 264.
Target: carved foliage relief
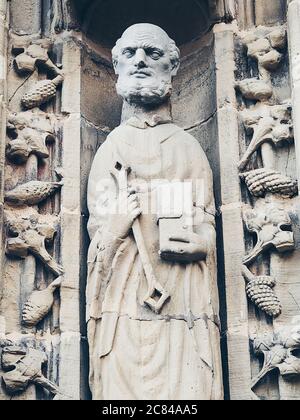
x: 269, y: 189
x: 32, y: 274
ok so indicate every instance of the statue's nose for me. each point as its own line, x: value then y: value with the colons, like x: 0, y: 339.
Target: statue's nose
x: 140, y: 58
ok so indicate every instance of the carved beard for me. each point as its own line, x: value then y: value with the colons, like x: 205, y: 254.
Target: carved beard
x: 140, y: 93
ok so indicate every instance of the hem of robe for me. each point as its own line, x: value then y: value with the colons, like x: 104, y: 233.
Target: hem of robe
x: 164, y: 360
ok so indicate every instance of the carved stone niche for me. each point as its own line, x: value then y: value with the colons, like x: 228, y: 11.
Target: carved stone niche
x: 194, y: 105
x: 114, y: 17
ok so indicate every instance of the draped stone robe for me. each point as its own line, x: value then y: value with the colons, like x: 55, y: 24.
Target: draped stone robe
x: 135, y: 353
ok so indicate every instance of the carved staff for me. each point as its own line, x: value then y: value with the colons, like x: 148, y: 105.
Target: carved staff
x: 155, y: 289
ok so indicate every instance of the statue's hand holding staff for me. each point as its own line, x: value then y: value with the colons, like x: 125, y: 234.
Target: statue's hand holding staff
x: 121, y: 221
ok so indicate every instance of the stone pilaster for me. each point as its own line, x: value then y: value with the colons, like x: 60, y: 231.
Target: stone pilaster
x: 294, y: 49
x: 26, y: 16
x: 228, y: 128
x: 3, y: 108
x: 71, y: 225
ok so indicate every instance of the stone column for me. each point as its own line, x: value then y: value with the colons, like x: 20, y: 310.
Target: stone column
x: 294, y: 48
x: 231, y: 202
x: 3, y: 106
x: 71, y: 225
x: 269, y: 12
x: 26, y: 19
x: 78, y: 151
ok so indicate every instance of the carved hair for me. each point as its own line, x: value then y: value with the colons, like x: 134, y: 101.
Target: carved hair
x: 173, y: 51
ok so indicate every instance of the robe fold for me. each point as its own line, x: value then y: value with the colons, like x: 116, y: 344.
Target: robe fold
x: 135, y: 353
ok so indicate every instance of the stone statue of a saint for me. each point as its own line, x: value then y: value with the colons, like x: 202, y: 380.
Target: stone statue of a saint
x: 152, y: 300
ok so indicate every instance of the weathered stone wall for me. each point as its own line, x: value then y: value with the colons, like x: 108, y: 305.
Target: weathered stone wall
x: 238, y: 93
x: 43, y: 326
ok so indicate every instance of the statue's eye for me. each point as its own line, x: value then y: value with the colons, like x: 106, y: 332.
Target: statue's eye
x: 154, y: 54
x: 129, y: 52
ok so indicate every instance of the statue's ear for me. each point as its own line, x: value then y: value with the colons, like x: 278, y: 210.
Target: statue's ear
x: 175, y: 63
x: 175, y: 67
x: 114, y: 54
x: 115, y: 66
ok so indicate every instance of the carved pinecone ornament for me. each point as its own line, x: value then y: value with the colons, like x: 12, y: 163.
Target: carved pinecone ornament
x: 261, y: 181
x: 260, y: 292
x: 42, y: 92
x: 39, y: 304
x: 32, y: 192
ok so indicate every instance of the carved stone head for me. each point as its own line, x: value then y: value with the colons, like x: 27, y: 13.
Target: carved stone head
x: 145, y: 59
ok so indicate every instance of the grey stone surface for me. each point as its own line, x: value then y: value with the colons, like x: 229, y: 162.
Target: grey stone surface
x: 270, y: 13
x: 232, y: 224
x: 294, y: 49
x: 26, y: 16
x: 101, y: 106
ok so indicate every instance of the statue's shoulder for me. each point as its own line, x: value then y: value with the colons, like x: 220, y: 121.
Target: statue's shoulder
x: 112, y: 139
x: 115, y: 137
x: 188, y: 140
x: 117, y: 131
x: 186, y: 136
